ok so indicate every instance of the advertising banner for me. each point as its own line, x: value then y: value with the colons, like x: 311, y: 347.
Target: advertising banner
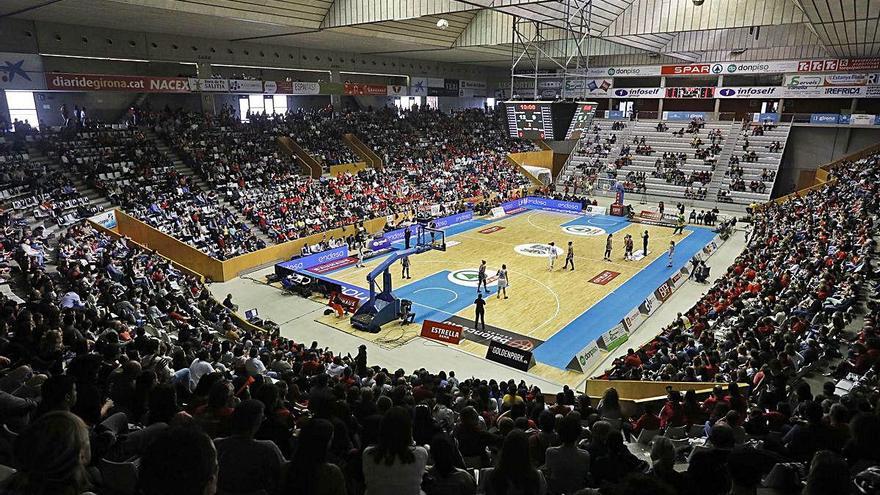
x: 632, y: 71
x: 472, y: 88
x: 682, y: 116
x: 513, y: 204
x: 856, y: 64
x: 765, y: 117
x: 586, y: 359
x: 690, y: 92
x: 245, y: 86
x: 846, y: 79
x: 442, y: 223
x: 614, y: 338
x: 553, y: 205
x: 209, y: 85
x: 62, y: 81
x: 418, y: 86
x: 749, y: 92
x: 637, y: 93
x: 597, y: 210
x: 361, y: 89
x: 678, y: 279
x: 824, y: 118
x: 801, y: 80
x: 862, y: 119
x: 588, y: 87
x: 299, y: 88
x: 686, y: 69
x: 397, y: 90
x: 106, y: 219
x: 450, y: 87
x: 510, y: 356
x: 663, y: 292
x: 305, y: 262
x: 615, y: 114
x: 21, y: 71
x: 442, y: 332
x: 491, y: 334
x: 650, y: 305
x: 873, y: 79
x: 633, y: 320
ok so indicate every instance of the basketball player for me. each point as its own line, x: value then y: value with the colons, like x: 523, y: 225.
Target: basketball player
x: 628, y: 248
x: 671, y: 253
x: 480, y: 316
x: 553, y: 255
x: 503, y: 281
x: 645, y: 237
x: 404, y: 262
x: 360, y: 255
x: 481, y: 277
x: 569, y: 257
x: 608, y: 248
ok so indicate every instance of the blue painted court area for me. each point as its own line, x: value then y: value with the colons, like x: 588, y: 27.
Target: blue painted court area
x: 607, y: 223
x: 436, y: 298
x: 560, y: 348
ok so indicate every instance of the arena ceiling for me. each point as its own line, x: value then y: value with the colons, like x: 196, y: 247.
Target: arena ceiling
x: 480, y: 31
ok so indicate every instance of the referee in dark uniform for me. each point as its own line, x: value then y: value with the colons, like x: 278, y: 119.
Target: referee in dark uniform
x: 569, y: 257
x: 480, y: 316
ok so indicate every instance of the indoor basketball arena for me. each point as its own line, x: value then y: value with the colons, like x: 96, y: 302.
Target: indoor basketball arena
x: 439, y: 247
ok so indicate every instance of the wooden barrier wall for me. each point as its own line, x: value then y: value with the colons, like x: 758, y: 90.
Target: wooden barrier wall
x: 363, y: 151
x: 309, y: 165
x: 347, y: 168
x: 183, y: 254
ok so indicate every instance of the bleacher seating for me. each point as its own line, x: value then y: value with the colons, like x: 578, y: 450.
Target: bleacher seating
x: 763, y: 169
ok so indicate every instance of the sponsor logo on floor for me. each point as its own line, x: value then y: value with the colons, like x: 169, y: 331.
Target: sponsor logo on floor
x: 469, y: 277
x: 537, y: 250
x: 494, y: 334
x: 584, y: 230
x: 604, y: 277
x: 489, y: 230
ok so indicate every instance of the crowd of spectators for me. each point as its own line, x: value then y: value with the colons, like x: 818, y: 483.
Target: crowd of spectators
x: 431, y: 158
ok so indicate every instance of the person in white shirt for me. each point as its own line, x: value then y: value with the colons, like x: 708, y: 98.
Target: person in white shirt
x: 254, y: 366
x: 200, y: 367
x: 553, y: 255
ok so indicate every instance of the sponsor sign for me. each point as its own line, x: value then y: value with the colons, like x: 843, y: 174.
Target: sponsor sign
x: 765, y: 117
x: 470, y: 277
x: 604, y: 277
x: 690, y: 92
x: 333, y: 265
x: 270, y: 87
x: 360, y: 89
x: 586, y: 359
x: 663, y: 292
x: 851, y: 64
x: 687, y: 70
x: 801, y: 80
x: 817, y: 65
x: 443, y: 87
x: 588, y: 87
x: 396, y: 90
x: 537, y: 250
x: 553, y: 204
x: 494, y: 228
x: 843, y: 92
x: 306, y: 262
x: 442, y: 223
x: 873, y: 79
x: 633, y: 319
x: 509, y: 356
x: 615, y: 114
x: 749, y: 92
x: 824, y: 118
x: 498, y: 212
x: 614, y: 338
x: 442, y: 332
x: 597, y: 210
x: 61, y: 81
x: 584, y: 230
x: 632, y: 71
x: 494, y: 334
x: 245, y: 86
x: 649, y: 305
x: 209, y: 85
x: 637, y: 93
x: 861, y: 119
x: 472, y: 88
x: 305, y: 88
x: 681, y: 116
x: 21, y: 71
x: 106, y: 219
x: 418, y: 86
x: 677, y: 280
x: 846, y: 79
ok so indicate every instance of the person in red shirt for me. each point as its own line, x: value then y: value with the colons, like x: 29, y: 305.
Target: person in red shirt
x: 649, y: 421
x: 672, y: 413
x: 632, y: 359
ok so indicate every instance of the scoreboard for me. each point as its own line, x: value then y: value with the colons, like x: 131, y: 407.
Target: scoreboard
x: 580, y: 122
x: 530, y: 120
x: 705, y: 92
x: 548, y: 120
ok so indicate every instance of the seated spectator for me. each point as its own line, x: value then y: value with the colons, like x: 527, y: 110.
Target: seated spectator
x: 246, y: 464
x: 395, y: 466
x: 567, y: 467
x: 182, y: 461
x: 444, y: 478
x: 309, y: 471
x: 513, y: 474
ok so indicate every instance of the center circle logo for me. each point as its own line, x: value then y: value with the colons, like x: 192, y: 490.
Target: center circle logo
x: 585, y: 230
x: 537, y: 250
x: 469, y: 277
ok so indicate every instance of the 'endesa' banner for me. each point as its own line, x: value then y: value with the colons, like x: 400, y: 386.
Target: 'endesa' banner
x: 63, y: 81
x: 442, y: 332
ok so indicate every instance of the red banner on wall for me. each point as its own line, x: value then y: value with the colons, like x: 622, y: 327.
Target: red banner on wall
x: 685, y: 70
x: 63, y: 81
x: 442, y: 332
x: 361, y: 89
